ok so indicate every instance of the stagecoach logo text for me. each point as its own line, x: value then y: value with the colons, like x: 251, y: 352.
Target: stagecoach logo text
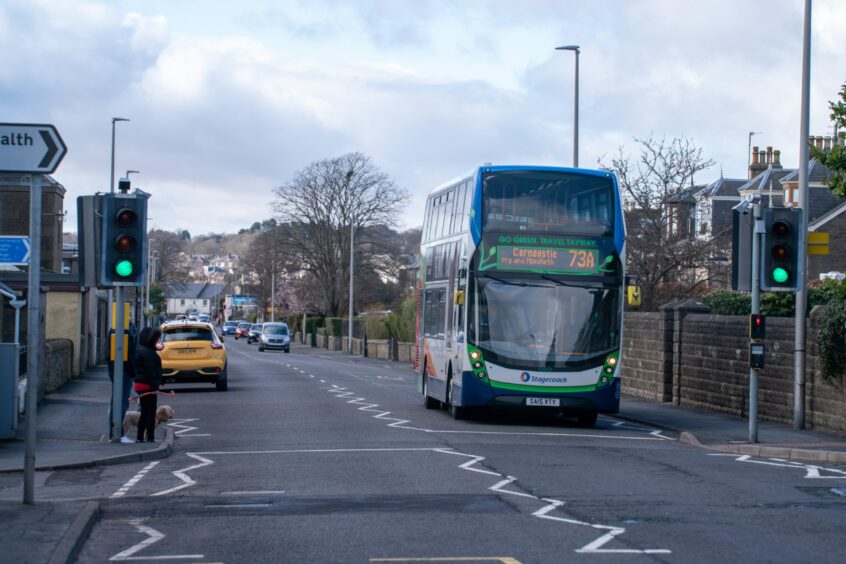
x: 526, y: 377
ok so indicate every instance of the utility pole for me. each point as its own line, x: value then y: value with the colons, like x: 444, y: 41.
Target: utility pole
x: 34, y: 338
x: 802, y: 292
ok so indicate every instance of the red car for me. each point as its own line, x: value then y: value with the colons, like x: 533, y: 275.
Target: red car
x: 242, y: 330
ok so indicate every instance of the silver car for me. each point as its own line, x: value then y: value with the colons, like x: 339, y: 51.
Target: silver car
x: 275, y: 336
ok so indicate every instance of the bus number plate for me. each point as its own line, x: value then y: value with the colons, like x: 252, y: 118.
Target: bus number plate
x: 544, y: 402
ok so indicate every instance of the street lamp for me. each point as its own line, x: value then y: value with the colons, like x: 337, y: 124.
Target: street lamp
x: 112, y: 179
x: 112, y: 190
x: 575, y: 49
x: 352, y: 259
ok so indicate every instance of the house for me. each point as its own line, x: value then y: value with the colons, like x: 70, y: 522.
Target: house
x: 200, y: 297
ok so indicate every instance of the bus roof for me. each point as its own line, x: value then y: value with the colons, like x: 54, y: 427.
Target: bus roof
x: 502, y: 168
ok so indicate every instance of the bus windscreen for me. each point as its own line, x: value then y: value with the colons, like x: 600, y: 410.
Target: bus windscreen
x: 541, y: 201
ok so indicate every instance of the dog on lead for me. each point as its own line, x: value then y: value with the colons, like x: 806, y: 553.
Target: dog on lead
x: 164, y: 413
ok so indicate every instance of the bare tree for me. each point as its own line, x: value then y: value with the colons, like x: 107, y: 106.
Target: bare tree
x: 169, y: 246
x: 264, y: 258
x: 320, y: 204
x: 662, y: 247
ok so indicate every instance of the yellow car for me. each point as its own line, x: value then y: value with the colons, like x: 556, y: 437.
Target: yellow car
x: 192, y: 352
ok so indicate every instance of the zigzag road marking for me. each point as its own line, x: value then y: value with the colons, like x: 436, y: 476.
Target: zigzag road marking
x: 181, y: 474
x: 812, y: 471
x: 153, y: 536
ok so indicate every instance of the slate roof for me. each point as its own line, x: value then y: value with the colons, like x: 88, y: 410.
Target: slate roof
x: 817, y: 173
x: 722, y: 187
x: 685, y: 196
x: 193, y: 290
x: 768, y: 180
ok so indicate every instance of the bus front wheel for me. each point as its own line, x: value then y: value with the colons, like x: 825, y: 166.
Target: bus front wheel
x: 586, y: 418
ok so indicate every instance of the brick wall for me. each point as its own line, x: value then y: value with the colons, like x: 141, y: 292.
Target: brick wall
x: 647, y: 356
x: 14, y: 215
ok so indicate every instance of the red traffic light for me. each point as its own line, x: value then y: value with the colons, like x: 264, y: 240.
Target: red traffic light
x: 780, y: 252
x: 125, y: 217
x: 781, y: 228
x: 125, y: 243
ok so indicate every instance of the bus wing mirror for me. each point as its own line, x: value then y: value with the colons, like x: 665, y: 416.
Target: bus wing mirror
x: 458, y: 297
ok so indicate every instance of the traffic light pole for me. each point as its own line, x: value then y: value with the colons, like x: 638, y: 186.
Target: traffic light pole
x: 34, y: 338
x: 756, y: 309
x: 117, y: 387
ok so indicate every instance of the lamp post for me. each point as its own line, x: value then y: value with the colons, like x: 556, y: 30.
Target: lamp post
x: 575, y: 49
x: 352, y: 259
x: 273, y: 289
x: 112, y: 190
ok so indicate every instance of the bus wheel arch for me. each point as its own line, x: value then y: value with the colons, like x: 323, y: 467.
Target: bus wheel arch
x: 428, y: 401
x: 457, y: 411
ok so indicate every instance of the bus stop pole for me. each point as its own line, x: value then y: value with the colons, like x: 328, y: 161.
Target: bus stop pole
x: 34, y: 340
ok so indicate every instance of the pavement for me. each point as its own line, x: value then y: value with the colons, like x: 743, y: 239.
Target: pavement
x: 73, y: 423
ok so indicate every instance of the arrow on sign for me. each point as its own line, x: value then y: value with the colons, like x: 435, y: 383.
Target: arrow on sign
x: 14, y: 250
x: 30, y: 148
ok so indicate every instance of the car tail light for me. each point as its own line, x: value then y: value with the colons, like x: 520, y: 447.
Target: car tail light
x: 217, y: 346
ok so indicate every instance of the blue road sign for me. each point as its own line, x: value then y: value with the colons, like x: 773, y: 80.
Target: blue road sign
x: 14, y: 250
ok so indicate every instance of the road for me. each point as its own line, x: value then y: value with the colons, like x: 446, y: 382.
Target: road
x: 320, y: 457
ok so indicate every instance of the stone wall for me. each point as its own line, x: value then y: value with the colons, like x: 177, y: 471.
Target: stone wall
x: 705, y: 365
x: 58, y: 366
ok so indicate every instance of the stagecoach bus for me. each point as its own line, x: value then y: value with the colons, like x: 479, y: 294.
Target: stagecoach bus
x: 521, y: 292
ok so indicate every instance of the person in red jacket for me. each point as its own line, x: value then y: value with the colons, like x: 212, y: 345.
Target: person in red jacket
x: 148, y: 378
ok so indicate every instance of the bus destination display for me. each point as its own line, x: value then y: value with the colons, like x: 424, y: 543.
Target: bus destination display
x: 581, y: 261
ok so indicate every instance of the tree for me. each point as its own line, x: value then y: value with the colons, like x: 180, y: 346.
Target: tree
x: 834, y: 159
x: 661, y: 250
x: 168, y: 246
x: 265, y: 257
x: 319, y: 204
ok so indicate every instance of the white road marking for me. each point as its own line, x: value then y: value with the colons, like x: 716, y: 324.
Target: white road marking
x: 153, y: 536
x: 134, y: 480
x: 187, y: 481
x: 595, y: 547
x: 183, y: 428
x: 257, y: 492
x: 812, y: 471
x: 237, y: 506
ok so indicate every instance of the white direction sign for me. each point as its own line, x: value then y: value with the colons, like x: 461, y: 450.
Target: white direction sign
x: 30, y: 148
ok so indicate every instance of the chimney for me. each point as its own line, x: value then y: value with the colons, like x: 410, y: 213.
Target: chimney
x: 842, y: 136
x: 776, y: 159
x: 759, y: 162
x: 769, y: 155
x: 827, y: 143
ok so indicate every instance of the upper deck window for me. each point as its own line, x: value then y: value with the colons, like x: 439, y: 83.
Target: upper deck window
x: 542, y: 201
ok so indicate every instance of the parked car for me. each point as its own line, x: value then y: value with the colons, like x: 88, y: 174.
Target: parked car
x: 191, y: 352
x: 254, y: 333
x: 242, y: 329
x: 274, y: 336
x: 229, y: 327
x: 204, y: 317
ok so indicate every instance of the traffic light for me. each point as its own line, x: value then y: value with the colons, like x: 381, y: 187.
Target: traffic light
x: 757, y: 327
x: 123, y: 249
x: 780, y: 253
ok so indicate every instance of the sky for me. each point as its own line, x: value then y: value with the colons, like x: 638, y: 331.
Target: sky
x: 228, y: 100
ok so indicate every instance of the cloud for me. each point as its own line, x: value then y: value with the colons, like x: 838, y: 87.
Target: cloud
x: 230, y: 101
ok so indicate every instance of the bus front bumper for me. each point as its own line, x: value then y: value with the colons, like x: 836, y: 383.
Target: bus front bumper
x: 473, y: 392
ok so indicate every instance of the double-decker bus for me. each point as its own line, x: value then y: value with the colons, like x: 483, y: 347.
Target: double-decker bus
x: 521, y: 291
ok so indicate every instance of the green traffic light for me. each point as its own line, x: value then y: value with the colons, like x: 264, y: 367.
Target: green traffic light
x: 780, y: 275
x: 124, y: 268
